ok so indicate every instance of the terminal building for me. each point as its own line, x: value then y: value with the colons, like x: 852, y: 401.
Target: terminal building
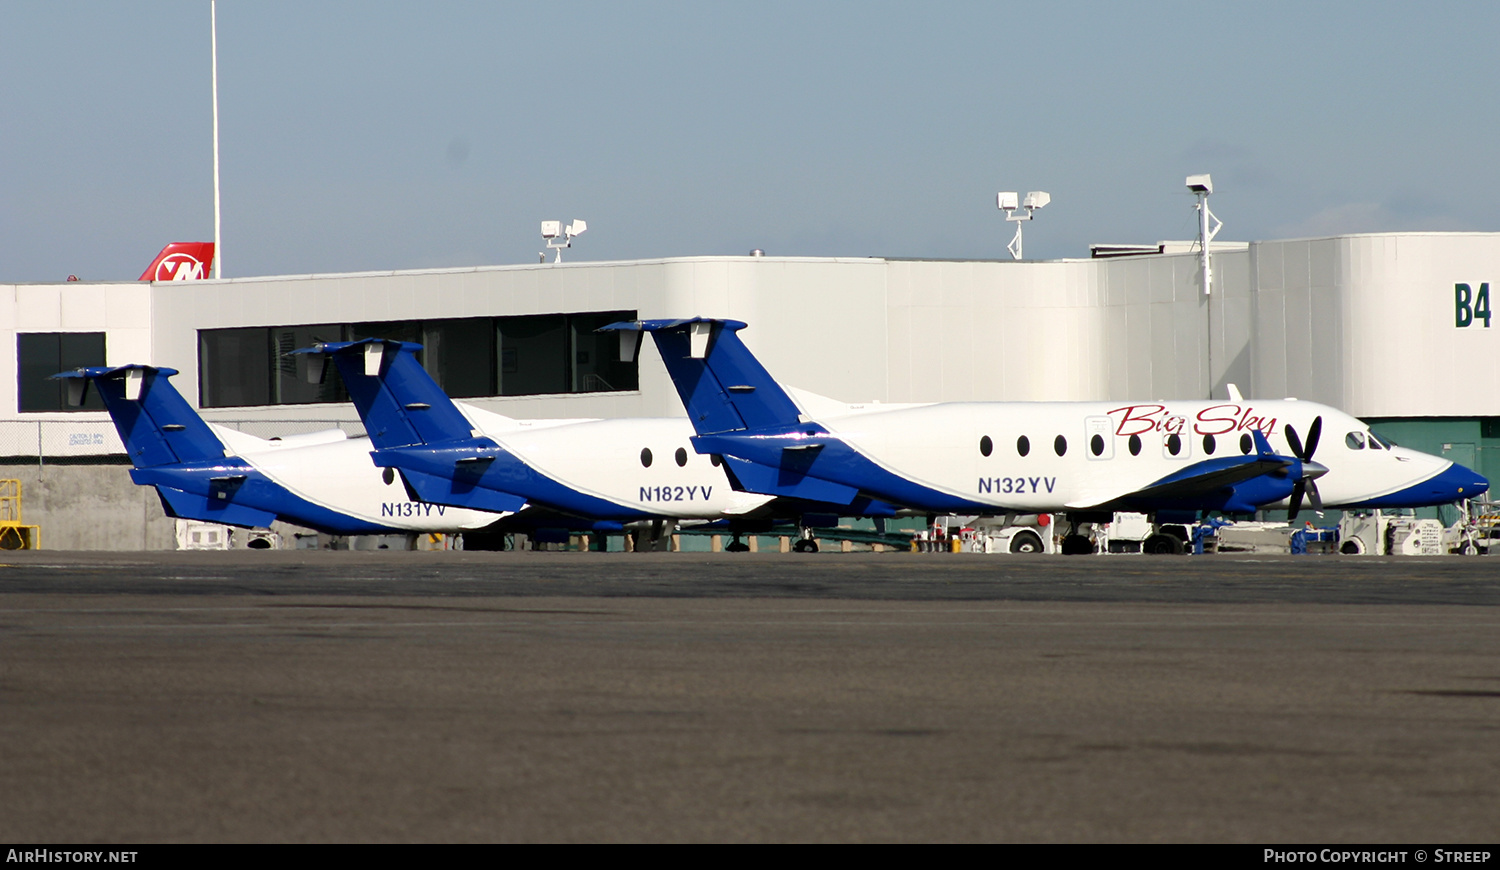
x: 1394, y: 328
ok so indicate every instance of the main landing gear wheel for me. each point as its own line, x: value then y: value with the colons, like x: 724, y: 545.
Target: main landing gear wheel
x: 1077, y: 545
x: 1163, y: 545
x: 805, y: 545
x: 1026, y: 542
x: 737, y: 546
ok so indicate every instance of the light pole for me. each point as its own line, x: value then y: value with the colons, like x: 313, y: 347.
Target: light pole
x: 1203, y: 186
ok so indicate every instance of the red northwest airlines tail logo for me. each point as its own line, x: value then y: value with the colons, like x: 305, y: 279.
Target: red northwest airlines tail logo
x: 181, y: 261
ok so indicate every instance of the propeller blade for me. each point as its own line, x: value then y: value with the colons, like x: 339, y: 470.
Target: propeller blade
x: 1317, y: 500
x: 1297, y: 489
x: 1293, y: 441
x: 1312, y: 437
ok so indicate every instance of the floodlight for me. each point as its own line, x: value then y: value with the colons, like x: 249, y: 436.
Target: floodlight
x: 552, y: 229
x: 1200, y: 183
x: 1010, y: 203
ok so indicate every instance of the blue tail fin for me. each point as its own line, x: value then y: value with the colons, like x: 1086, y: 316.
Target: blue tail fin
x: 723, y: 386
x: 156, y: 423
x: 398, y: 400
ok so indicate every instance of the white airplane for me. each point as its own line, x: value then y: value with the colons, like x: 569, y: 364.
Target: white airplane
x: 321, y: 480
x: 620, y: 470
x: 1085, y: 459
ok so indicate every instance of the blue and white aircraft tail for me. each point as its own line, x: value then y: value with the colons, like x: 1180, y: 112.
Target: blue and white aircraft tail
x: 413, y: 425
x: 1082, y: 458
x: 608, y: 470
x: 595, y: 470
x: 322, y: 481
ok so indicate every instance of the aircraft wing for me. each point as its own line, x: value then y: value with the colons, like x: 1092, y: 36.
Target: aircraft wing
x: 1205, y: 482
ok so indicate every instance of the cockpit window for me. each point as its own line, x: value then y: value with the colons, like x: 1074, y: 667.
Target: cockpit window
x: 1355, y: 440
x: 1376, y: 442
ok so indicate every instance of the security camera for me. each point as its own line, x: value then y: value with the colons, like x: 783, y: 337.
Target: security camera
x: 1200, y: 183
x: 551, y: 229
x: 1008, y: 201
x: 576, y: 227
x: 1037, y: 198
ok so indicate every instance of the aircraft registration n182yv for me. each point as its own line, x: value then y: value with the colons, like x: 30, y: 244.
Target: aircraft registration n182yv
x: 620, y: 470
x: 1079, y: 458
x: 451, y: 454
x: 322, y: 480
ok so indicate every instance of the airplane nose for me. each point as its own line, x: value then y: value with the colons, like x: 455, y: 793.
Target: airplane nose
x: 1478, y: 486
x: 1456, y: 482
x: 1447, y: 486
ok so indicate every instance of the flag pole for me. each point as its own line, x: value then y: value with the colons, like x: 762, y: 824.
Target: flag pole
x: 213, y: 15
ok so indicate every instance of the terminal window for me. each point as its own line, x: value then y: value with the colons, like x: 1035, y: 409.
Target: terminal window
x: 40, y: 355
x: 469, y: 357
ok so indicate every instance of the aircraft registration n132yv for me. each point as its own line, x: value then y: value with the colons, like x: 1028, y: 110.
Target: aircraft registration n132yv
x: 322, y: 480
x: 1080, y: 458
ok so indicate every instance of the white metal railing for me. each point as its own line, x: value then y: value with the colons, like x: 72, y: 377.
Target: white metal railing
x: 48, y: 439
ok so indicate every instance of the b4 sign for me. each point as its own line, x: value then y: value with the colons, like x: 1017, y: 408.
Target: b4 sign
x: 1469, y: 306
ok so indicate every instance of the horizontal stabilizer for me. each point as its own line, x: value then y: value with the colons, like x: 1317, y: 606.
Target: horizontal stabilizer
x: 785, y: 482
x: 434, y: 489
x: 190, y: 506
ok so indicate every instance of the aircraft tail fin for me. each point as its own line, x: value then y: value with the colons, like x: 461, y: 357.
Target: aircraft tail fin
x: 722, y: 385
x: 181, y: 261
x: 399, y: 402
x: 156, y: 423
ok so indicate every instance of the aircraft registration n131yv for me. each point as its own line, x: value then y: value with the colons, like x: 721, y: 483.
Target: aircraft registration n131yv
x: 1079, y: 458
x: 322, y: 480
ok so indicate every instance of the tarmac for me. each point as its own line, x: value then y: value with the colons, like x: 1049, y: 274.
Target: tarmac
x: 314, y: 696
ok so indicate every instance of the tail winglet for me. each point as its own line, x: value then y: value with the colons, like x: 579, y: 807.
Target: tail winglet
x: 156, y: 423
x: 723, y: 386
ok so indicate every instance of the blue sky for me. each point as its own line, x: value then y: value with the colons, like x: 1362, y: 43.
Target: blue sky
x: 382, y: 135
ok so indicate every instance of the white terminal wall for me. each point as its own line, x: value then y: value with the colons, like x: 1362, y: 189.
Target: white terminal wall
x: 1361, y: 322
x: 1367, y: 323
x: 120, y: 310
